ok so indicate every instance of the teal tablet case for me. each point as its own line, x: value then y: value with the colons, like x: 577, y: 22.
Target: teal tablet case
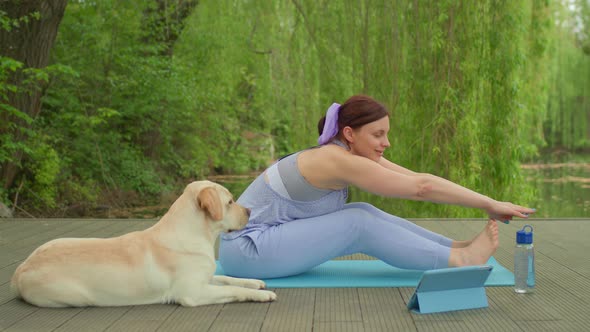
x: 451, y: 289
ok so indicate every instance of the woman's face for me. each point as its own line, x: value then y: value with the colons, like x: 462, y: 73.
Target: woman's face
x: 370, y: 140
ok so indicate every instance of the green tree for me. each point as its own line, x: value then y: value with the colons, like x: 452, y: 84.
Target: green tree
x: 27, y: 33
x: 152, y: 94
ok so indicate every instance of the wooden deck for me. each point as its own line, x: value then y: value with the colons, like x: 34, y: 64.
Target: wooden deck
x: 560, y: 303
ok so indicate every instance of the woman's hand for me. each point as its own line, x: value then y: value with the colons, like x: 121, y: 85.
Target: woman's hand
x: 504, y: 211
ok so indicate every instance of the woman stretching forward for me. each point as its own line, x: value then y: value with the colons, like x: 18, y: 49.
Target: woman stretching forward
x: 300, y: 218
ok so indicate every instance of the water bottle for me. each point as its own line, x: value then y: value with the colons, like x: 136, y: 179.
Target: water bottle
x: 524, y: 261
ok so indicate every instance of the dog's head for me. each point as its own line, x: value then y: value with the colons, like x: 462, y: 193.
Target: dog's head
x: 218, y: 205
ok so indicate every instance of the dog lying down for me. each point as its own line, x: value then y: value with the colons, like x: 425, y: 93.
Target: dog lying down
x: 172, y: 261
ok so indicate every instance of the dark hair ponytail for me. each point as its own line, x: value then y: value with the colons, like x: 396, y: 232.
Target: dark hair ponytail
x: 356, y: 112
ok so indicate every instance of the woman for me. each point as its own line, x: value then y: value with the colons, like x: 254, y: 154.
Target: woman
x: 300, y: 218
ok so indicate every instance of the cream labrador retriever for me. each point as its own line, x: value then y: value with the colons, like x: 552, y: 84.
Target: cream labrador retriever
x: 172, y: 261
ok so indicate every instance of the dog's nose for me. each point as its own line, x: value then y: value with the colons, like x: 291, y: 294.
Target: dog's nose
x: 248, y: 211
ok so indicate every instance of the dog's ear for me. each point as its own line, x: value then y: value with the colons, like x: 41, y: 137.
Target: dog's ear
x: 209, y: 201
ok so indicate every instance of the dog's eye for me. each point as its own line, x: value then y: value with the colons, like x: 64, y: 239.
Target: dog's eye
x: 231, y: 201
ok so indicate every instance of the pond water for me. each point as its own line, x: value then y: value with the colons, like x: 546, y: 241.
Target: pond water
x: 562, y: 185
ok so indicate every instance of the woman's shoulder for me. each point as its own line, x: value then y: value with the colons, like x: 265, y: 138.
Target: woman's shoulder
x: 330, y: 160
x: 319, y: 166
x: 325, y: 153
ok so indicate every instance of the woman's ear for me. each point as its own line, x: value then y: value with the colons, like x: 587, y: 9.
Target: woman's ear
x: 347, y: 132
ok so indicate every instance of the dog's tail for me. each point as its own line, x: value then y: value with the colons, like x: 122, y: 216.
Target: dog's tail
x: 14, y: 283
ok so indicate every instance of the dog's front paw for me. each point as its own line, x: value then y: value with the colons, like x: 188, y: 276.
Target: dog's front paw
x: 254, y: 284
x: 266, y: 296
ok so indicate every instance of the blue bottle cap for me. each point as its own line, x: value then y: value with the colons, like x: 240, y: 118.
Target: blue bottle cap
x: 524, y: 237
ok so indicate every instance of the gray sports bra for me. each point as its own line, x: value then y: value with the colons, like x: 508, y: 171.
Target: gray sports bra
x: 285, y: 178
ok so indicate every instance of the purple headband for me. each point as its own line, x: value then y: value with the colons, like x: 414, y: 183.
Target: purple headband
x: 331, y: 124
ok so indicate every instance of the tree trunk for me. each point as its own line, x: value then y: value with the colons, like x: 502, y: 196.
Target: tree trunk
x: 165, y: 21
x: 163, y: 24
x: 31, y: 44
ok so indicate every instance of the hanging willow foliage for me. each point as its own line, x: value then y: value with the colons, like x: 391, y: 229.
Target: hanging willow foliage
x: 167, y: 92
x: 452, y: 74
x: 567, y: 123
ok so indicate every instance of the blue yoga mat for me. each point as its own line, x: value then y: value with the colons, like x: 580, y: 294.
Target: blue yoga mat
x: 369, y: 273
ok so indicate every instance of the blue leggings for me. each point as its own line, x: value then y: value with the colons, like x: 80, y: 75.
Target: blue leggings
x: 299, y: 245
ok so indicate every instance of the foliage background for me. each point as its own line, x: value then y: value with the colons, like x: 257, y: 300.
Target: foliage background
x: 142, y: 96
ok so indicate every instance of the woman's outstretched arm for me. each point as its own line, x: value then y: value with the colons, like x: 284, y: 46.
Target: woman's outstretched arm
x: 383, y: 179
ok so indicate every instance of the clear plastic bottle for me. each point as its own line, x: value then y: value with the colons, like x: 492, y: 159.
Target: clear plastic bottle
x: 524, y: 261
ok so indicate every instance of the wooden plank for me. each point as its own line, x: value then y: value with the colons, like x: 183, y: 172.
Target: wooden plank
x: 97, y: 319
x: 195, y: 319
x: 339, y: 327
x: 566, y: 242
x: 44, y: 320
x: 337, y: 305
x: 550, y: 326
x: 243, y: 317
x: 490, y: 319
x: 30, y: 227
x: 143, y: 318
x: 519, y: 306
x: 22, y: 227
x: 570, y: 308
x: 8, y: 224
x: 34, y: 229
x: 383, y: 309
x: 560, y: 302
x: 443, y: 325
x: 13, y: 312
x: 292, y: 311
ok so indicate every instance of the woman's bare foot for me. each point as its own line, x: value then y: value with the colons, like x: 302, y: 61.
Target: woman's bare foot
x: 481, y: 248
x: 461, y: 244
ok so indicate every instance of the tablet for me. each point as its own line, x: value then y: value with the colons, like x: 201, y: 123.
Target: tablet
x: 451, y: 289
